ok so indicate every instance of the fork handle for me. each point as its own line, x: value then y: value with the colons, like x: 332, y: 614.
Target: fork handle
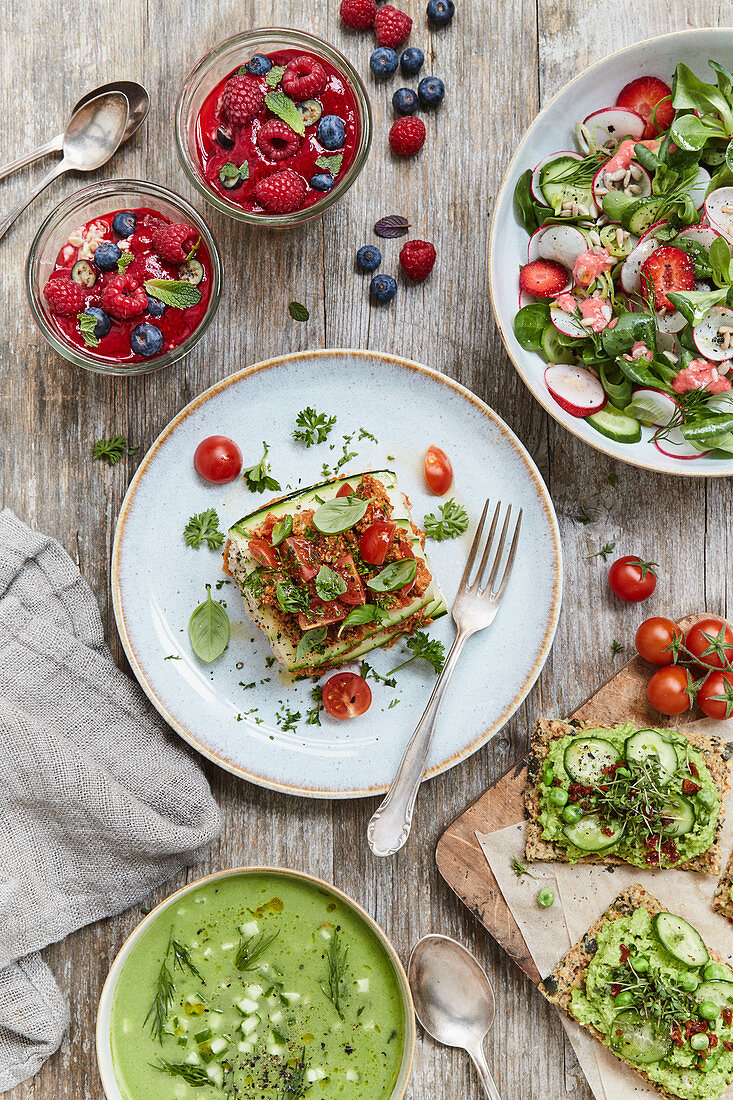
x: 390, y: 824
x: 54, y: 146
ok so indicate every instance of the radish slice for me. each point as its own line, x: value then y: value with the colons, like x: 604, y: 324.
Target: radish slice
x: 675, y: 445
x: 667, y: 341
x: 611, y: 124
x: 652, y: 231
x: 699, y: 188
x: 601, y: 186
x: 721, y: 402
x: 535, y: 187
x: 631, y: 270
x: 561, y: 243
x: 700, y: 234
x: 577, y: 391
x: 566, y: 322
x: 671, y: 320
x: 719, y: 209
x: 708, y: 340
x: 525, y: 299
x: 654, y: 406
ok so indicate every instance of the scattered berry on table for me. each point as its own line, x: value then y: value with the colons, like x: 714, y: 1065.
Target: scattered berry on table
x: 383, y: 61
x: 322, y: 181
x: 173, y: 242
x: 331, y: 132
x: 155, y: 307
x: 543, y: 278
x: 107, y: 255
x: 304, y: 78
x: 383, y: 288
x: 277, y: 140
x: 392, y: 27
x: 440, y: 12
x: 123, y: 297
x: 102, y: 321
x: 358, y: 14
x: 146, y: 340
x: 123, y: 223
x: 242, y: 99
x: 404, y: 101
x: 63, y: 295
x: 411, y: 61
x: 259, y: 65
x: 431, y: 91
x: 407, y: 136
x: 368, y: 258
x: 282, y: 192
x: 417, y: 259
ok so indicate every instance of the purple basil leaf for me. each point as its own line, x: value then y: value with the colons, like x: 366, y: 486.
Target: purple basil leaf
x: 392, y: 226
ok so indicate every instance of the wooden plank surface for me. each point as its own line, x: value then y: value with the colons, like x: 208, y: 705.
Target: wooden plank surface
x: 499, y: 61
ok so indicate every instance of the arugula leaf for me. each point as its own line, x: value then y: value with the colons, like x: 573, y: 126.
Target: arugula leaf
x: 451, y: 523
x: 329, y: 584
x: 312, y: 427
x: 203, y: 527
x: 284, y: 107
x: 88, y: 329
x: 424, y: 648
x: 112, y: 450
x: 257, y: 477
x: 173, y: 292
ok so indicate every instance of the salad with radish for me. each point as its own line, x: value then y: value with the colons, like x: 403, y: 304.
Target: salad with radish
x: 627, y: 292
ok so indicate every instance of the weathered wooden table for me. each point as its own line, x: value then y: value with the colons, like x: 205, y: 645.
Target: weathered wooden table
x: 500, y: 61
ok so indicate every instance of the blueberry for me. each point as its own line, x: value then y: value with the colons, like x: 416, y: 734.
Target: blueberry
x: 440, y: 12
x: 123, y: 223
x: 103, y: 321
x: 224, y: 137
x: 383, y: 288
x: 404, y: 101
x: 259, y: 64
x: 368, y: 258
x: 383, y: 61
x: 107, y: 255
x: 431, y: 91
x: 322, y: 181
x: 155, y: 308
x: 146, y: 340
x: 331, y: 132
x: 412, y: 60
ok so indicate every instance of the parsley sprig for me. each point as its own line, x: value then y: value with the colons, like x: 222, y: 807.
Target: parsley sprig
x: 112, y: 450
x: 451, y: 522
x: 424, y: 648
x: 312, y: 427
x: 257, y: 477
x: 203, y: 527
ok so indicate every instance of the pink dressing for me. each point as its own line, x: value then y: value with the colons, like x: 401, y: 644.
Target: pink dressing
x: 592, y: 309
x: 700, y: 375
x: 623, y: 156
x: 589, y: 265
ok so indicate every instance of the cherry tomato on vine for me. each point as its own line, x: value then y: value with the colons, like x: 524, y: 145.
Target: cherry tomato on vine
x: 715, y: 695
x: 667, y: 690
x: 346, y: 695
x: 632, y: 579
x: 714, y: 635
x: 345, y: 491
x: 263, y: 552
x: 438, y: 471
x: 218, y: 459
x: 376, y: 541
x: 654, y: 638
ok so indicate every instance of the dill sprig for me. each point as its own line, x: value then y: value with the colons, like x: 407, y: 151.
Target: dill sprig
x: 296, y: 1084
x: 336, y: 956
x: 192, y: 1075
x: 182, y: 958
x: 251, y: 949
x: 162, y: 1000
x: 582, y: 172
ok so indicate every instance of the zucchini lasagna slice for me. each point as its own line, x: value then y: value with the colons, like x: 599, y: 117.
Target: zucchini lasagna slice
x: 335, y: 570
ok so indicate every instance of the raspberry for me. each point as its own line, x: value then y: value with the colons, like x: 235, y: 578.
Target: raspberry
x: 358, y: 14
x: 417, y: 259
x: 123, y: 297
x: 174, y: 241
x: 407, y: 136
x: 304, y: 78
x: 242, y: 100
x: 277, y: 141
x: 63, y: 295
x: 391, y: 26
x: 282, y: 192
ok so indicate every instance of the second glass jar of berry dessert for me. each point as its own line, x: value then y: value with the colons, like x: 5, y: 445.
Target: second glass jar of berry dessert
x: 273, y: 126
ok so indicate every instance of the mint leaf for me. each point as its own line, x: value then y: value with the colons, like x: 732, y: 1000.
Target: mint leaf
x: 87, y: 328
x: 298, y: 312
x: 284, y: 107
x: 173, y: 292
x: 275, y: 75
x: 228, y: 171
x: 332, y: 164
x: 244, y: 170
x: 124, y: 262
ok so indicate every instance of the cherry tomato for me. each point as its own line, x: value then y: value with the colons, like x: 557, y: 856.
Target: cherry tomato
x: 345, y: 491
x: 666, y: 690
x: 346, y: 695
x: 697, y: 643
x: 264, y: 553
x: 218, y: 459
x: 302, y: 551
x: 632, y: 579
x: 376, y: 541
x: 717, y: 683
x: 653, y: 639
x: 438, y: 471
x: 354, y: 593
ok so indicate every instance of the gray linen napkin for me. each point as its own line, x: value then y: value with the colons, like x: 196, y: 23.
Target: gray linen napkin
x: 99, y: 801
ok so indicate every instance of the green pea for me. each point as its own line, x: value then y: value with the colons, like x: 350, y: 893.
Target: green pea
x: 708, y: 1010
x: 548, y: 774
x: 571, y: 813
x: 640, y: 963
x: 546, y: 897
x: 699, y: 1042
x: 624, y: 999
x: 688, y: 981
x: 714, y: 973
x: 558, y: 796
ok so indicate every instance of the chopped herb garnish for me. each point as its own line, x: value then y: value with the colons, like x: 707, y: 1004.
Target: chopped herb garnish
x: 88, y: 328
x: 521, y: 869
x: 251, y: 949
x: 364, y: 434
x: 195, y: 1076
x: 112, y: 450
x: 616, y: 647
x: 603, y: 552
x: 424, y: 648
x: 367, y: 670
x: 451, y: 522
x: 312, y: 427
x: 258, y: 478
x: 204, y: 527
x: 337, y: 957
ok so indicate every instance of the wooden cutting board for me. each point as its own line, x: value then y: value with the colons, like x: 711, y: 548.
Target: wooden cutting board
x: 460, y: 859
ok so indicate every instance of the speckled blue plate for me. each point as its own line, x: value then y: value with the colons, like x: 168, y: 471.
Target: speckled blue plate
x: 157, y: 580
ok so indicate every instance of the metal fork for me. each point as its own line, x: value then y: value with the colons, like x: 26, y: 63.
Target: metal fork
x: 475, y: 608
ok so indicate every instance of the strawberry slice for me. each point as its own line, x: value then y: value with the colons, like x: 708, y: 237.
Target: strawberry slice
x: 643, y: 95
x: 543, y: 278
x: 668, y: 268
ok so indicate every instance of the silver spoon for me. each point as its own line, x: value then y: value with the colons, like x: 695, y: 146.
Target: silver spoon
x: 454, y: 1000
x: 92, y: 136
x: 139, y: 102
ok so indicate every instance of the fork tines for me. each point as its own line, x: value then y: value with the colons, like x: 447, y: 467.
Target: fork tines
x: 491, y: 558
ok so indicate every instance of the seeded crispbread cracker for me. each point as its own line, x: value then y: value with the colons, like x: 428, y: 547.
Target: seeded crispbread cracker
x: 716, y: 754
x: 570, y: 972
x: 722, y: 901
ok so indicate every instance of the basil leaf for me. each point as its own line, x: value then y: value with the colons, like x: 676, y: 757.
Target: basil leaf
x: 395, y: 575
x: 173, y: 292
x: 291, y: 598
x: 339, y: 514
x: 208, y: 629
x: 310, y: 640
x: 282, y: 529
x: 329, y: 585
x: 360, y: 616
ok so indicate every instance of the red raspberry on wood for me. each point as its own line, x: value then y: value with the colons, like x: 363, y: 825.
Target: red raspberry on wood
x: 391, y: 26
x: 358, y: 14
x: 417, y: 259
x: 407, y: 136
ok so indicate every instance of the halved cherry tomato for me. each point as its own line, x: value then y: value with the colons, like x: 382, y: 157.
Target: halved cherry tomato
x: 438, y: 471
x: 218, y: 459
x: 354, y: 593
x: 345, y: 491
x: 632, y: 579
x: 653, y: 639
x: 697, y: 642
x: 320, y: 614
x: 667, y: 692
x: 264, y: 553
x: 376, y: 541
x: 302, y: 551
x: 717, y: 684
x: 346, y: 695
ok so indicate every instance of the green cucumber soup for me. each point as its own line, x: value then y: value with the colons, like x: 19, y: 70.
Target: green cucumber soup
x: 258, y: 986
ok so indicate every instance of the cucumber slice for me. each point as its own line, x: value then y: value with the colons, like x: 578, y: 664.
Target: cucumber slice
x: 552, y: 349
x: 719, y: 992
x: 615, y: 425
x: 640, y: 215
x: 639, y: 1042
x: 681, y: 812
x: 680, y: 939
x: 586, y: 757
x: 556, y: 192
x: 587, y: 834
x: 649, y: 745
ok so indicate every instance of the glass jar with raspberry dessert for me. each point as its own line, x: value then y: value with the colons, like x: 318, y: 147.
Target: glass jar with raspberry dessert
x: 273, y: 126
x: 124, y: 277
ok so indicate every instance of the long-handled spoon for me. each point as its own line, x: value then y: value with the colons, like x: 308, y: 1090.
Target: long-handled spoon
x: 92, y: 136
x: 454, y: 1000
x: 139, y: 102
